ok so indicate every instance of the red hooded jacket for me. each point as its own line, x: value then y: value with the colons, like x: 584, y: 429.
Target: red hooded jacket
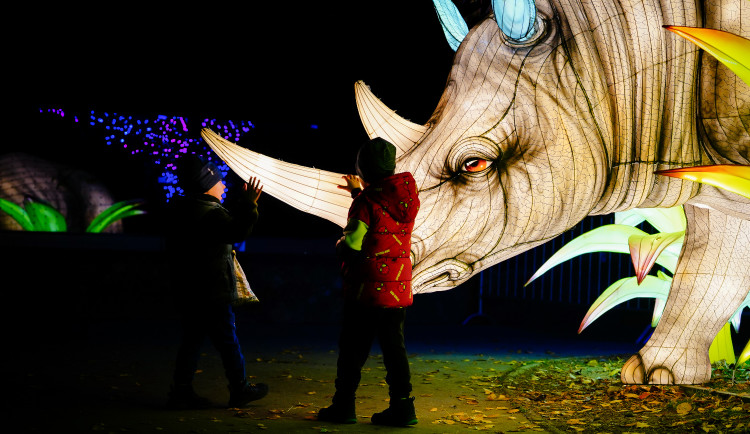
x: 381, y: 217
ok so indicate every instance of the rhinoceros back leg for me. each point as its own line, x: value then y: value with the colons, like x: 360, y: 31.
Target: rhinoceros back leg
x: 711, y: 280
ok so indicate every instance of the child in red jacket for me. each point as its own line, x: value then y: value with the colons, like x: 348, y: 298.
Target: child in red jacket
x: 376, y: 268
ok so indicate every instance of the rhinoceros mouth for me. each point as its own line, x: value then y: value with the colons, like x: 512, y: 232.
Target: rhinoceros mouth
x: 440, y: 276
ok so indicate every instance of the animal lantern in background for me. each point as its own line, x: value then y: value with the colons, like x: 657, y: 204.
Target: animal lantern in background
x: 558, y: 110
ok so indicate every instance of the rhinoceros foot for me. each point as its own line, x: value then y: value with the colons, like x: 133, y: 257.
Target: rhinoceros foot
x: 675, y: 366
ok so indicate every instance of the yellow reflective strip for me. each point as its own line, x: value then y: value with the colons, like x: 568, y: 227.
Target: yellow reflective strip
x: 395, y: 296
x: 397, y: 240
x: 399, y: 271
x: 383, y: 252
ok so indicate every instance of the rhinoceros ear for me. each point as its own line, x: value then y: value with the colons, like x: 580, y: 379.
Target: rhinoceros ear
x: 516, y: 18
x: 454, y: 26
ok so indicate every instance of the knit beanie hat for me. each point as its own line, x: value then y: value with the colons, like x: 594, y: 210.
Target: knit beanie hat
x: 376, y: 160
x: 195, y: 176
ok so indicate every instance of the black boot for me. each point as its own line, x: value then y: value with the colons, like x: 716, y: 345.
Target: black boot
x: 399, y: 413
x: 245, y: 392
x: 183, y: 397
x: 340, y: 411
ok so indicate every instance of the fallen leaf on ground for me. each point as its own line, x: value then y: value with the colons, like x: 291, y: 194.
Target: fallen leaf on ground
x: 684, y: 408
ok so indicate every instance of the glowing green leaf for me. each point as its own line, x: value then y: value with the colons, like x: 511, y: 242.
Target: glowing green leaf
x: 631, y: 217
x: 721, y: 348
x: 607, y: 238
x: 659, y: 304
x: 644, y: 249
x: 44, y: 217
x: 662, y: 219
x: 115, y: 212
x: 737, y: 316
x: 734, y: 178
x: 623, y: 290
x: 745, y: 355
x: 730, y: 49
x: 18, y: 213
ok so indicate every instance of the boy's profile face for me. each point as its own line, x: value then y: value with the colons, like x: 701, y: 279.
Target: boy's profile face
x: 217, y: 190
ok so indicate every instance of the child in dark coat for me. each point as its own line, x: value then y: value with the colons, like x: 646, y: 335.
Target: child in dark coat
x: 199, y: 234
x: 376, y: 268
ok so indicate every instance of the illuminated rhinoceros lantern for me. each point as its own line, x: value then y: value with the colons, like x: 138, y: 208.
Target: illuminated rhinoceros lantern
x: 557, y: 111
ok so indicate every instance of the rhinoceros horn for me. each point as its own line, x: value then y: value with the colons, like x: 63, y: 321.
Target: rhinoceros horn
x: 308, y: 189
x: 380, y: 121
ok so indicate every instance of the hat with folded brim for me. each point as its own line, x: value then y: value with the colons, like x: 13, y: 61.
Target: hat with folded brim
x: 196, y: 176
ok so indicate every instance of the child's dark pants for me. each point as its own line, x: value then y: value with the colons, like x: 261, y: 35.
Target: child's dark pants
x: 360, y: 326
x: 215, y: 321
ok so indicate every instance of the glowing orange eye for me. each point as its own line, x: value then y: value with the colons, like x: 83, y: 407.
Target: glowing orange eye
x: 475, y: 165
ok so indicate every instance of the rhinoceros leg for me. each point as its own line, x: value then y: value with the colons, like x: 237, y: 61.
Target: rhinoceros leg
x: 711, y: 280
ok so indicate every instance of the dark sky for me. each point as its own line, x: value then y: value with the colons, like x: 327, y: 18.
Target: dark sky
x: 259, y: 61
x: 281, y: 65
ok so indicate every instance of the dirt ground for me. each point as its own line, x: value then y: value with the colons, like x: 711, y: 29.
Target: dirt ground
x: 584, y: 394
x: 113, y: 377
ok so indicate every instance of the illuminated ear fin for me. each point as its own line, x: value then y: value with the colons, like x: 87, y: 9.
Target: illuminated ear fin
x: 515, y: 18
x: 380, y: 121
x: 735, y: 178
x: 308, y: 189
x: 730, y: 49
x: 454, y: 26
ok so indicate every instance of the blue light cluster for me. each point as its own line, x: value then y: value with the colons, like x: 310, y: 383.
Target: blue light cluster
x: 163, y: 140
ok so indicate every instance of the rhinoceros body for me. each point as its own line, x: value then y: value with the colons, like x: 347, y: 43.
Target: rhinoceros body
x: 532, y: 136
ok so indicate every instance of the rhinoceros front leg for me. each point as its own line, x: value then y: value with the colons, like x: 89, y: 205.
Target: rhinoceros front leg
x: 711, y: 280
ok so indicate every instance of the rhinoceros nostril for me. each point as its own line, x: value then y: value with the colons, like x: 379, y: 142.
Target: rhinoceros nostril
x: 442, y: 275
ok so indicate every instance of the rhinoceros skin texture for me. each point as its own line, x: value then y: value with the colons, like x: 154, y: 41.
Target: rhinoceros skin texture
x: 530, y: 137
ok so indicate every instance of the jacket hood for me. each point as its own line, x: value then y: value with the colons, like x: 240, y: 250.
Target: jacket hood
x: 397, y: 194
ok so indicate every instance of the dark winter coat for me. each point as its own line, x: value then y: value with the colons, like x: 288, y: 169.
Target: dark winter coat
x: 376, y: 246
x: 200, y: 233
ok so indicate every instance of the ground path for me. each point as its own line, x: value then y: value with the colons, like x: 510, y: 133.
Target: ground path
x: 113, y: 376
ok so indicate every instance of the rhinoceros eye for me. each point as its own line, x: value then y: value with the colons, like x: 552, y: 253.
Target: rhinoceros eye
x: 475, y: 165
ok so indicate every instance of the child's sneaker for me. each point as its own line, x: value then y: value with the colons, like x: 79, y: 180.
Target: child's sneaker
x: 338, y: 413
x: 246, y: 392
x: 399, y: 413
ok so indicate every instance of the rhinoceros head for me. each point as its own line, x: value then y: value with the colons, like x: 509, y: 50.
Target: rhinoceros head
x: 510, y: 158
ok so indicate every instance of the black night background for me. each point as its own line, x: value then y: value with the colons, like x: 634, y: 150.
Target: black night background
x: 95, y: 309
